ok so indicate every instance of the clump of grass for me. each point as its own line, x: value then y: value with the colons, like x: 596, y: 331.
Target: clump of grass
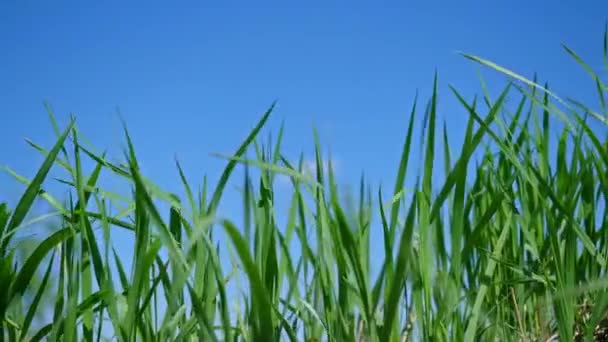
x: 511, y: 244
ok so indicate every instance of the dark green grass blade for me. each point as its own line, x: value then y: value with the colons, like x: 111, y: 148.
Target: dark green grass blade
x: 398, y: 282
x: 30, y: 194
x: 201, y: 316
x: 89, y: 303
x: 167, y: 238
x: 29, y: 317
x: 262, y: 309
x: 28, y: 269
x: 63, y: 163
x: 352, y: 251
x: 87, y: 240
x: 53, y: 120
x: 136, y: 291
x: 450, y: 180
x: 402, y: 172
x: 471, y: 330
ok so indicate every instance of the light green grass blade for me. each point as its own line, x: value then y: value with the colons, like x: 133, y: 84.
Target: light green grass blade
x: 526, y: 81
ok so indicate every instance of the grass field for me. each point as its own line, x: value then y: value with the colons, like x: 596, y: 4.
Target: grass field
x: 511, y: 244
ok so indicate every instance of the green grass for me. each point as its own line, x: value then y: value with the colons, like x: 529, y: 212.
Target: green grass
x: 509, y: 244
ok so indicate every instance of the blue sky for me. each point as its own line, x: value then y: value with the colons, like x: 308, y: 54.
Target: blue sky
x: 193, y: 79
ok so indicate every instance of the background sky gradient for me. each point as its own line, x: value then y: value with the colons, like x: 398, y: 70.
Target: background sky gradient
x: 193, y: 79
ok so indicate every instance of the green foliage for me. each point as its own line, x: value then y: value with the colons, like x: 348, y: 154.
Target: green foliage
x: 509, y: 244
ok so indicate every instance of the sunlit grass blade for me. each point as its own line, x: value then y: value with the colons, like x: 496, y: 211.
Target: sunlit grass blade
x: 526, y: 81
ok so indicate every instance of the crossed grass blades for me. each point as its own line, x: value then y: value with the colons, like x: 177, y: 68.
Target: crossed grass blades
x: 512, y: 246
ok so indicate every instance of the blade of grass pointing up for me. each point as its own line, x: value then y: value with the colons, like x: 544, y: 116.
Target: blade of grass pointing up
x: 425, y: 262
x: 30, y: 194
x: 471, y: 330
x: 394, y: 292
x: 219, y: 189
x: 168, y: 240
x: 399, y: 183
x: 36, y: 302
x: 262, y: 309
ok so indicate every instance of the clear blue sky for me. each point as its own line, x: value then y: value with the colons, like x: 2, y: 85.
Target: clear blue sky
x: 192, y: 79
